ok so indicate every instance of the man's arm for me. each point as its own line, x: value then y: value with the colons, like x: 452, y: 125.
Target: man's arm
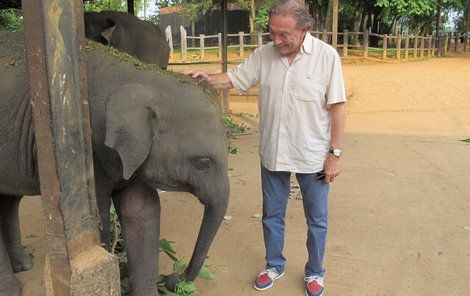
x: 338, y: 122
x: 217, y: 81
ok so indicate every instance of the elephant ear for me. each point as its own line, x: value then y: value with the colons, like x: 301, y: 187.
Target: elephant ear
x: 130, y: 124
x: 108, y: 32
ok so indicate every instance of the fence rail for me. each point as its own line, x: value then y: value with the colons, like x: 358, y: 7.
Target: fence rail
x: 362, y: 44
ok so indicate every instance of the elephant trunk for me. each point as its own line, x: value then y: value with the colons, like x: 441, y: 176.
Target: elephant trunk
x: 214, y: 213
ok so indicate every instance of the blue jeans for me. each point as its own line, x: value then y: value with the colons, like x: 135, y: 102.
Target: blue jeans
x: 276, y: 187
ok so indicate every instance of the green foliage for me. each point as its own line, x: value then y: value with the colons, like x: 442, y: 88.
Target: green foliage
x: 262, y: 14
x: 117, y: 5
x: 184, y: 288
x: 232, y: 127
x: 11, y: 19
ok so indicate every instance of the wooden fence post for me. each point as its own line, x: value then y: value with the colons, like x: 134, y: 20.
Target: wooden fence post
x: 446, y: 43
x: 438, y: 45
x: 385, y: 41
x: 366, y: 43
x: 260, y: 39
x: 324, y: 37
x: 415, y: 46
x: 219, y: 38
x: 422, y: 46
x: 467, y: 42
x: 456, y: 41
x: 240, y: 37
x: 184, y: 43
x: 169, y: 38
x: 399, y: 47
x: 201, y: 44
x: 407, y: 46
x: 345, y: 43
x: 430, y: 51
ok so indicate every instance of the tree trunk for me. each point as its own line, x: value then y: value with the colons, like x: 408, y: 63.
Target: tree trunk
x: 438, y: 17
x: 253, y: 38
x: 329, y: 18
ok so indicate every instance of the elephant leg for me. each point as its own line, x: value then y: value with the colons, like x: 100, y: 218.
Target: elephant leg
x: 138, y: 207
x: 103, y: 197
x: 10, y: 228
x: 9, y: 285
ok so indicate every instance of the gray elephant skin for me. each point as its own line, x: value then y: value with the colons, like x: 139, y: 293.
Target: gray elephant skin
x: 127, y: 33
x: 150, y: 129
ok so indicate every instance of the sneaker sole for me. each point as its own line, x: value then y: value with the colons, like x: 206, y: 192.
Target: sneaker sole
x: 267, y: 287
x: 306, y: 293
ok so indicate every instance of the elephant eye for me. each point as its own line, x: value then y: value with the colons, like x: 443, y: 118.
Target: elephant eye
x: 201, y: 163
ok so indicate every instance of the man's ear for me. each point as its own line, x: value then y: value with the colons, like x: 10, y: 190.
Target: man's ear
x: 130, y: 124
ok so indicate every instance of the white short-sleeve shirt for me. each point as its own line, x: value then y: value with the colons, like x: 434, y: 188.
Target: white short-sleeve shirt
x: 293, y: 103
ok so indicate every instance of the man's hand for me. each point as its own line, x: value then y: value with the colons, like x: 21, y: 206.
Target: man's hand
x: 217, y: 81
x: 198, y: 74
x: 331, y: 168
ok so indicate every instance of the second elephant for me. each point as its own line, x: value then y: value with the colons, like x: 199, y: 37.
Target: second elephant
x: 127, y: 33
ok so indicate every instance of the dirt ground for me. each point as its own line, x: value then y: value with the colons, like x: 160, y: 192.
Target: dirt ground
x: 399, y: 212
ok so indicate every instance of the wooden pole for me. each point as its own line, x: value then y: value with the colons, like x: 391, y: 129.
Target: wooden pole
x: 415, y: 46
x: 345, y: 43
x: 226, y: 94
x: 446, y: 43
x: 201, y: 44
x: 334, y: 41
x: 430, y: 46
x: 407, y: 46
x: 55, y: 51
x: 184, y: 43
x: 241, y: 41
x: 366, y: 43
x: 385, y: 41
x: 219, y: 42
x: 423, y: 40
x: 467, y: 42
x: 399, y: 47
x: 456, y: 41
x: 260, y: 39
x: 169, y: 38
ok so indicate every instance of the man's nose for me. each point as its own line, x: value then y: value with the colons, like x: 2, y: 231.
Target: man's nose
x: 276, y: 40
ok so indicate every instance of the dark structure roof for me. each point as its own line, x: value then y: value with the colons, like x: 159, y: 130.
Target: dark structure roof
x: 10, y: 4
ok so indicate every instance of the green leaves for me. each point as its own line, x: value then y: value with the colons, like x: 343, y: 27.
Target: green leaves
x: 206, y: 274
x: 184, y: 288
x: 11, y: 19
x: 165, y: 247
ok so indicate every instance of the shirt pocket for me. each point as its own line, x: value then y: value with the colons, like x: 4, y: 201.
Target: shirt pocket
x: 307, y: 88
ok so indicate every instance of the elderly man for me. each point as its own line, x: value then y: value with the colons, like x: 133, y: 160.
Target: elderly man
x: 302, y: 119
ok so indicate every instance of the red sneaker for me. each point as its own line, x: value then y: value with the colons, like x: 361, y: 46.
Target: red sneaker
x: 314, y: 286
x: 266, y: 278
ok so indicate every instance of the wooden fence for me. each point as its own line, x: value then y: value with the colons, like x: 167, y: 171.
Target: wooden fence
x: 358, y: 44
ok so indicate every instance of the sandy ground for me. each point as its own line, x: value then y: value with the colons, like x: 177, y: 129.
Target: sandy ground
x: 399, y: 212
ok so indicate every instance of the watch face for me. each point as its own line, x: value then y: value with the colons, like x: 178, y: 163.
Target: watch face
x: 336, y: 152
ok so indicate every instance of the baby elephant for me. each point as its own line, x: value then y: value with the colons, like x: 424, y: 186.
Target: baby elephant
x: 150, y: 129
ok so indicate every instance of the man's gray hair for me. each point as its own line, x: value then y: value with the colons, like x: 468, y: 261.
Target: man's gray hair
x: 292, y: 7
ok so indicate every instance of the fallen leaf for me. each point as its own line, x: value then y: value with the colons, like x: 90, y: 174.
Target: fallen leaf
x: 256, y: 216
x: 228, y: 218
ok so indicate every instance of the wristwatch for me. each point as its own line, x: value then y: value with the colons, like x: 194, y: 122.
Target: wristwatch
x: 335, y: 152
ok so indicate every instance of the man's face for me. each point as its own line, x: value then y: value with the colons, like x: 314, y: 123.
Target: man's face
x: 286, y: 37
